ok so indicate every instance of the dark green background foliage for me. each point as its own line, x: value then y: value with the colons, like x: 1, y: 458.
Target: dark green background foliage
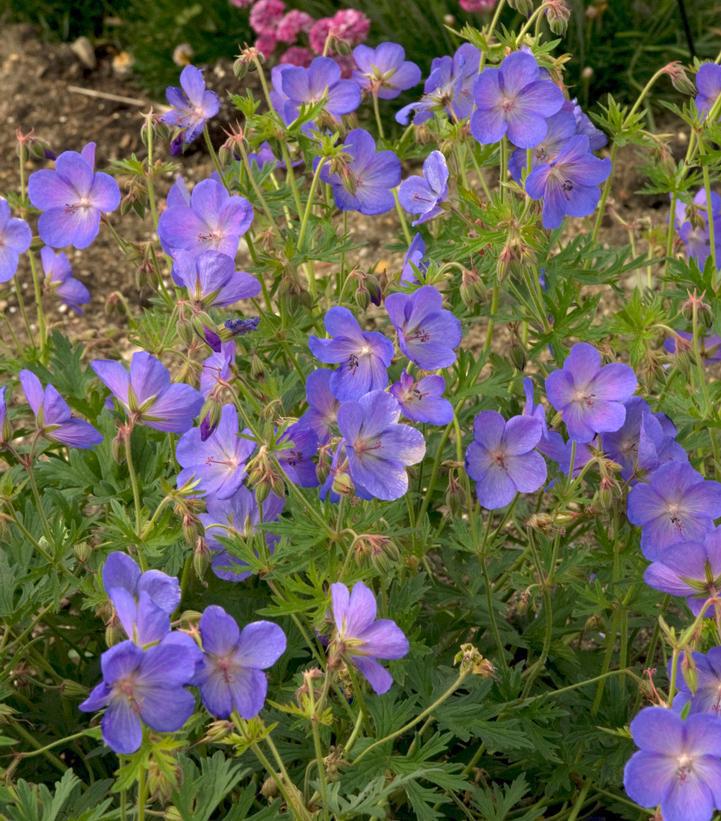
x: 624, y: 41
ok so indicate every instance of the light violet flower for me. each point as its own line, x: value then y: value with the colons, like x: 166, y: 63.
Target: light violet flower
x: 192, y: 105
x: 53, y: 417
x: 378, y: 448
x: 423, y: 195
x: 677, y: 765
x: 427, y: 333
x: 147, y: 394
x: 590, y: 396
x: 15, y: 239
x: 218, y: 462
x: 361, y: 638
x: 384, y: 71
x: 514, y: 99
x: 502, y: 459
x: 231, y: 673
x: 72, y: 198
x: 363, y: 357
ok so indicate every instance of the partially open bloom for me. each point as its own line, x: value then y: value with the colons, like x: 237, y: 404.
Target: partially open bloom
x: 361, y: 638
x: 297, y: 460
x: 675, y: 505
x: 709, y: 346
x: 53, y: 417
x: 218, y: 462
x: 414, y: 261
x: 514, y: 99
x: 147, y: 394
x: 144, y: 687
x: 706, y: 698
x: 378, y: 448
x: 645, y: 441
x: 427, y: 333
x: 448, y: 88
x: 72, y: 198
x: 708, y: 83
x: 363, y: 357
x: 590, y: 396
x: 693, y: 226
x: 384, y: 70
x: 143, y: 602
x: 211, y: 279
x: 365, y: 180
x: 237, y: 517
x: 212, y: 220
x: 502, y: 459
x: 231, y: 673
x: 59, y: 277
x: 217, y: 368
x: 423, y: 401
x: 691, y: 570
x: 423, y: 195
x: 15, y: 239
x: 569, y: 184
x: 322, y: 404
x: 677, y: 765
x: 321, y: 81
x: 192, y: 104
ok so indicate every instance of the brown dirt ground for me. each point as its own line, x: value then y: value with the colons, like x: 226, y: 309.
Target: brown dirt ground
x: 36, y: 77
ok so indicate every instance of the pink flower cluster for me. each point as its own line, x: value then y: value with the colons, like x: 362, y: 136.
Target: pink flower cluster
x: 275, y: 26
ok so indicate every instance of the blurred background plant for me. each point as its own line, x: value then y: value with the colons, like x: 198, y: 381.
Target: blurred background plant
x: 616, y: 44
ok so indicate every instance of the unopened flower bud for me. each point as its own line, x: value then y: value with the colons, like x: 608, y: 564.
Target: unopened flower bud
x: 73, y: 689
x: 374, y: 289
x: 557, y: 15
x: 689, y: 671
x: 587, y: 73
x: 470, y: 659
x: 679, y: 78
x: 343, y: 484
x: 471, y: 288
x: 113, y: 632
x: 201, y: 557
x: 82, y: 552
x: 524, y: 7
x: 269, y: 789
x: 362, y: 296
x: 517, y: 355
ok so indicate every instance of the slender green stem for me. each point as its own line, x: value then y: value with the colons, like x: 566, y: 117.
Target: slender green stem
x: 354, y: 735
x: 527, y: 25
x: 402, y: 218
x: 38, y: 291
x: 257, y: 189
x: 491, y: 28
x: 30, y: 738
x: 214, y: 156
x: 495, y: 295
x: 150, y: 185
x: 135, y: 484
x: 420, y: 717
x: 604, y: 195
x: 316, y: 712
x: 377, y: 114
x: 142, y: 794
